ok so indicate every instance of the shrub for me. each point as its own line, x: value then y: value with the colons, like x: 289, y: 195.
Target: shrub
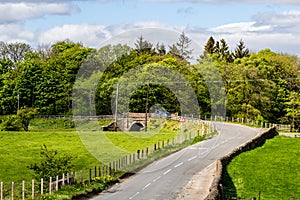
x: 52, y: 164
x: 11, y: 123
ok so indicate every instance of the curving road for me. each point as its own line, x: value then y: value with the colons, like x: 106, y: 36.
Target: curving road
x: 165, y: 178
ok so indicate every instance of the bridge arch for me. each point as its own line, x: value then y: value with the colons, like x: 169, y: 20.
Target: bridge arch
x: 136, y: 126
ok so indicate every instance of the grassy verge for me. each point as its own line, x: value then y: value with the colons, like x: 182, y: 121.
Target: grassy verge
x: 20, y: 149
x: 272, y: 170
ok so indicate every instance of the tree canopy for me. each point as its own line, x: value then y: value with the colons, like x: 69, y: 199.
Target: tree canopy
x: 260, y: 85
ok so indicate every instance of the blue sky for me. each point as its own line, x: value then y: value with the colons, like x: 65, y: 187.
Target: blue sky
x: 271, y: 24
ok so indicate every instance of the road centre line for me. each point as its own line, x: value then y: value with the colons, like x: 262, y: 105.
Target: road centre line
x: 134, y: 195
x: 178, y: 165
x: 156, y: 178
x: 146, y: 186
x: 167, y: 171
x: 192, y: 158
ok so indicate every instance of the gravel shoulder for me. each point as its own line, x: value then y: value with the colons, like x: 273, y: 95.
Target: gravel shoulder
x: 198, y: 187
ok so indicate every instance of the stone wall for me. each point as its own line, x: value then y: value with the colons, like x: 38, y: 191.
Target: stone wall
x: 215, y: 191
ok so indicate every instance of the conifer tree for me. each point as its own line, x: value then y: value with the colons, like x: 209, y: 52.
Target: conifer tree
x: 224, y: 51
x: 241, y: 50
x: 209, y: 48
x: 183, y: 47
x: 143, y: 46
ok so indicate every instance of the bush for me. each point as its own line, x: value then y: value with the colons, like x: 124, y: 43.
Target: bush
x: 52, y: 164
x: 19, y: 121
x: 11, y: 123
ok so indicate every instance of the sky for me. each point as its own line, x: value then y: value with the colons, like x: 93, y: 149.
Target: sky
x: 273, y: 24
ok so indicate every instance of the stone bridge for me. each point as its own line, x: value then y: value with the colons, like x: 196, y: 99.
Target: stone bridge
x: 129, y: 122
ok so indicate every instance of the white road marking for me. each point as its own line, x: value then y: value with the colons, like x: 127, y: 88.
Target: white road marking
x: 156, y: 178
x: 178, y: 165
x: 167, y: 171
x: 146, y: 186
x: 192, y: 158
x: 134, y: 195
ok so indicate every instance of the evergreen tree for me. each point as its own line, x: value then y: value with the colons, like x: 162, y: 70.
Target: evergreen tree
x: 143, y: 46
x: 183, y: 47
x: 209, y: 48
x: 241, y: 50
x: 224, y: 51
x: 174, y: 50
x: 161, y: 49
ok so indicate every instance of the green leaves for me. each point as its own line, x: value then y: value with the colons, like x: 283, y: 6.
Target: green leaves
x: 25, y: 116
x: 52, y: 164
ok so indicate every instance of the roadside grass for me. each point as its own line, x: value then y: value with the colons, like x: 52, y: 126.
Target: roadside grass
x: 272, y: 170
x: 20, y: 149
x: 89, y: 147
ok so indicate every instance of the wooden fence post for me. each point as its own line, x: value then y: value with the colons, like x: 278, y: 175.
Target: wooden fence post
x: 12, y: 190
x: 103, y: 170
x: 56, y: 183
x: 1, y: 191
x: 80, y: 176
x: 32, y: 189
x: 42, y: 186
x: 63, y: 179
x: 90, y: 175
x: 23, y: 190
x: 50, y: 185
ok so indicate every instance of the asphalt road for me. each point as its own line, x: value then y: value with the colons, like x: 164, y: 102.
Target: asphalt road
x: 165, y: 178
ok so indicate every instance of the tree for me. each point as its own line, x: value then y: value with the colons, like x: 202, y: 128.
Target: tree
x: 161, y: 49
x: 224, y: 52
x: 25, y: 116
x: 293, y: 110
x: 14, y: 51
x: 183, y: 47
x: 143, y: 46
x: 241, y: 51
x: 173, y: 50
x: 52, y: 164
x: 209, y: 47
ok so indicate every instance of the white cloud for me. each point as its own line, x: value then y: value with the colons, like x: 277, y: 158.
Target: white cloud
x: 96, y: 35
x: 15, y: 33
x: 241, y: 27
x: 283, y: 2
x: 277, y: 31
x: 89, y: 35
x: 13, y: 12
x: 280, y: 19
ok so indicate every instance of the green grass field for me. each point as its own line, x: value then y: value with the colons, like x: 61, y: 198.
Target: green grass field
x: 273, y: 169
x: 20, y: 149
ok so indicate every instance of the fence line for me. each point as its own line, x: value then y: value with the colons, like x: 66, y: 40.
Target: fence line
x: 110, y: 169
x: 125, y: 162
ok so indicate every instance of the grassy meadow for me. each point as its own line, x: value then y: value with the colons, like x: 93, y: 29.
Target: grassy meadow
x: 20, y: 149
x: 273, y: 170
